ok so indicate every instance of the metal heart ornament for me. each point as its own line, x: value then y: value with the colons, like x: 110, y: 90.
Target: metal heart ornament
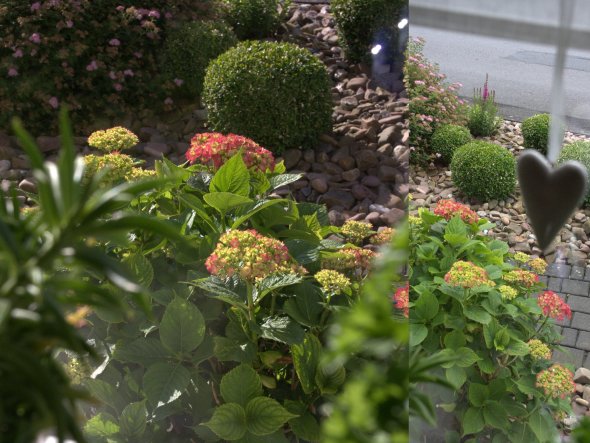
x: 550, y: 195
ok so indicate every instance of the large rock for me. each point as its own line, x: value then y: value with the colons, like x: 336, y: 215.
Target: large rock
x: 337, y: 197
x: 48, y: 144
x: 582, y: 376
x: 366, y: 159
x: 292, y: 157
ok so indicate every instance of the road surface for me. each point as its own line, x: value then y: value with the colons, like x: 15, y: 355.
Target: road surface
x: 521, y: 73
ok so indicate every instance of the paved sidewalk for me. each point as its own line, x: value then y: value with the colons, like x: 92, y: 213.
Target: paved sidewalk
x: 573, y: 283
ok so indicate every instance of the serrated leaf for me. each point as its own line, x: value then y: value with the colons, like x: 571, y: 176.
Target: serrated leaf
x: 427, y: 305
x: 495, y: 415
x: 306, y: 427
x: 473, y: 421
x: 456, y: 375
x: 164, y: 382
x: 133, y: 419
x: 454, y: 339
x: 105, y: 392
x: 543, y: 426
x: 517, y: 348
x: 219, y: 291
x: 418, y: 333
x: 282, y: 329
x: 233, y: 177
x: 329, y: 380
x: 305, y: 307
x: 276, y: 437
x: 466, y: 357
x: 477, y: 314
x: 478, y: 394
x: 144, y: 351
x: 225, y: 201
x: 265, y: 415
x: 183, y: 327
x: 276, y: 281
x: 141, y: 268
x: 282, y: 180
x: 306, y: 357
x: 226, y: 349
x: 240, y: 385
x: 101, y: 425
x: 228, y: 422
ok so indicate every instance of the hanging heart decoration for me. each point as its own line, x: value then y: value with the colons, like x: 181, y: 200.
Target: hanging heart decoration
x: 550, y: 195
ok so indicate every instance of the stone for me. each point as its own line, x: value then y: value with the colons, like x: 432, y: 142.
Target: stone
x: 371, y: 181
x: 292, y: 157
x: 351, y: 175
x: 48, y: 144
x: 586, y: 393
x: 393, y: 216
x: 361, y: 192
x: 366, y: 159
x: 387, y: 173
x: 357, y: 82
x: 582, y: 402
x: 337, y: 197
x: 336, y: 217
x: 4, y: 165
x: 582, y: 376
x: 319, y: 184
x: 386, y: 135
x: 28, y: 186
x: 156, y: 149
x: 373, y: 218
x: 349, y: 103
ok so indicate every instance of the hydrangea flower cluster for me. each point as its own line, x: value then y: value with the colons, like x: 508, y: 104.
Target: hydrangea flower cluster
x: 356, y: 231
x: 113, y: 140
x: 448, y: 209
x: 216, y: 148
x: 251, y: 256
x: 350, y: 258
x: 538, y: 265
x: 332, y: 281
x: 467, y: 275
x: 521, y: 277
x: 557, y: 381
x: 508, y: 292
x: 401, y: 299
x: 383, y: 237
x: 539, y: 350
x: 553, y: 306
x: 120, y: 166
x: 140, y: 173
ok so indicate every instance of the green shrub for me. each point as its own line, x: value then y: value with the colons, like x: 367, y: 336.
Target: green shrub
x: 253, y: 19
x: 483, y: 119
x: 535, y: 131
x: 475, y: 302
x: 484, y: 170
x: 190, y: 48
x: 361, y: 23
x: 578, y: 151
x: 277, y: 94
x: 446, y: 139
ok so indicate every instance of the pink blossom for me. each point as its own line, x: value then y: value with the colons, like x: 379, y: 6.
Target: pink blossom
x: 179, y: 82
x: 138, y: 54
x: 54, y: 102
x: 12, y: 72
x: 419, y: 82
x: 35, y: 38
x: 168, y: 101
x: 18, y: 53
x: 112, y: 75
x: 92, y: 66
x: 120, y: 8
x: 69, y: 23
x: 128, y: 73
x: 36, y: 6
x: 115, y: 42
x: 153, y: 13
x: 118, y: 86
x: 168, y: 15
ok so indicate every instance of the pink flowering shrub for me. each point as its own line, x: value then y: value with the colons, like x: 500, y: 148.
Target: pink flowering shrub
x: 448, y: 209
x: 215, y: 149
x: 96, y: 57
x: 556, y: 382
x: 433, y: 102
x: 553, y: 306
x: 401, y: 299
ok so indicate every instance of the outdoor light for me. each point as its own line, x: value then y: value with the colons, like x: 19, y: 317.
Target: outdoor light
x: 376, y: 49
x: 403, y: 23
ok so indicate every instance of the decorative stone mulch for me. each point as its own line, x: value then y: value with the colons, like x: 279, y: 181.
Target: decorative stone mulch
x: 428, y: 185
x: 359, y: 171
x: 580, y: 401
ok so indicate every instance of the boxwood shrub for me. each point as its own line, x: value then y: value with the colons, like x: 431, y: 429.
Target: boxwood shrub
x: 578, y: 151
x: 535, y: 131
x: 277, y: 94
x: 484, y: 170
x: 189, y: 49
x: 252, y: 19
x: 363, y: 22
x: 446, y: 139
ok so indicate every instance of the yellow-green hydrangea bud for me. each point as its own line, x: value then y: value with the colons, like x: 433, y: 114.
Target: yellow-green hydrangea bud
x: 414, y: 221
x: 538, y: 265
x: 383, y: 237
x: 120, y: 165
x: 507, y: 292
x: 356, y: 231
x: 521, y: 257
x: 539, y: 350
x: 140, y: 173
x: 332, y: 281
x: 114, y: 139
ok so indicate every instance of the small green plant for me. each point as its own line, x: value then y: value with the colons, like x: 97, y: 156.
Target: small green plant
x: 483, y: 119
x: 113, y: 139
x: 475, y: 303
x: 535, y: 132
x: 484, y: 170
x: 581, y: 433
x: 188, y: 50
x: 577, y: 151
x: 254, y: 19
x: 363, y: 23
x: 447, y: 138
x: 277, y: 94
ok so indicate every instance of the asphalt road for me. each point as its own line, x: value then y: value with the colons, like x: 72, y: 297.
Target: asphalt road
x: 521, y: 73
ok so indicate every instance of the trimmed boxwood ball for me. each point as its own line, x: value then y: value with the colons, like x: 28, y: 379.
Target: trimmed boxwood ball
x: 447, y: 138
x: 189, y: 49
x: 252, y: 19
x: 362, y: 23
x: 277, y: 94
x: 484, y: 170
x: 535, y: 131
x: 578, y: 151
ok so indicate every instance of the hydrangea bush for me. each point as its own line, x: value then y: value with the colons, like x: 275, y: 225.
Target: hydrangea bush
x: 474, y: 302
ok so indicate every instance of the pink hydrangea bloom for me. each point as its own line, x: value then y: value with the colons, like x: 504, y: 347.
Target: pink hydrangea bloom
x: 35, y: 38
x: 36, y: 6
x: 118, y: 86
x: 54, y: 102
x: 179, y: 82
x: 115, y: 42
x: 92, y: 66
x: 18, y: 53
x: 168, y: 101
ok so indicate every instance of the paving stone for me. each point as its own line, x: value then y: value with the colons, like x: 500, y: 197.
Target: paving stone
x: 544, y: 279
x: 558, y: 270
x: 587, y: 360
x: 583, y: 341
x: 569, y: 337
x: 587, y: 275
x: 575, y: 287
x: 554, y: 284
x: 569, y: 355
x: 577, y: 272
x: 581, y: 321
x: 579, y: 303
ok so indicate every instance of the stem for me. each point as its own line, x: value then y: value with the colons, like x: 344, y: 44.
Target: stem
x: 273, y: 303
x: 249, y: 289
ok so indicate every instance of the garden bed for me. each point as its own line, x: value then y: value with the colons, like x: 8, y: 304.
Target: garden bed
x: 433, y: 183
